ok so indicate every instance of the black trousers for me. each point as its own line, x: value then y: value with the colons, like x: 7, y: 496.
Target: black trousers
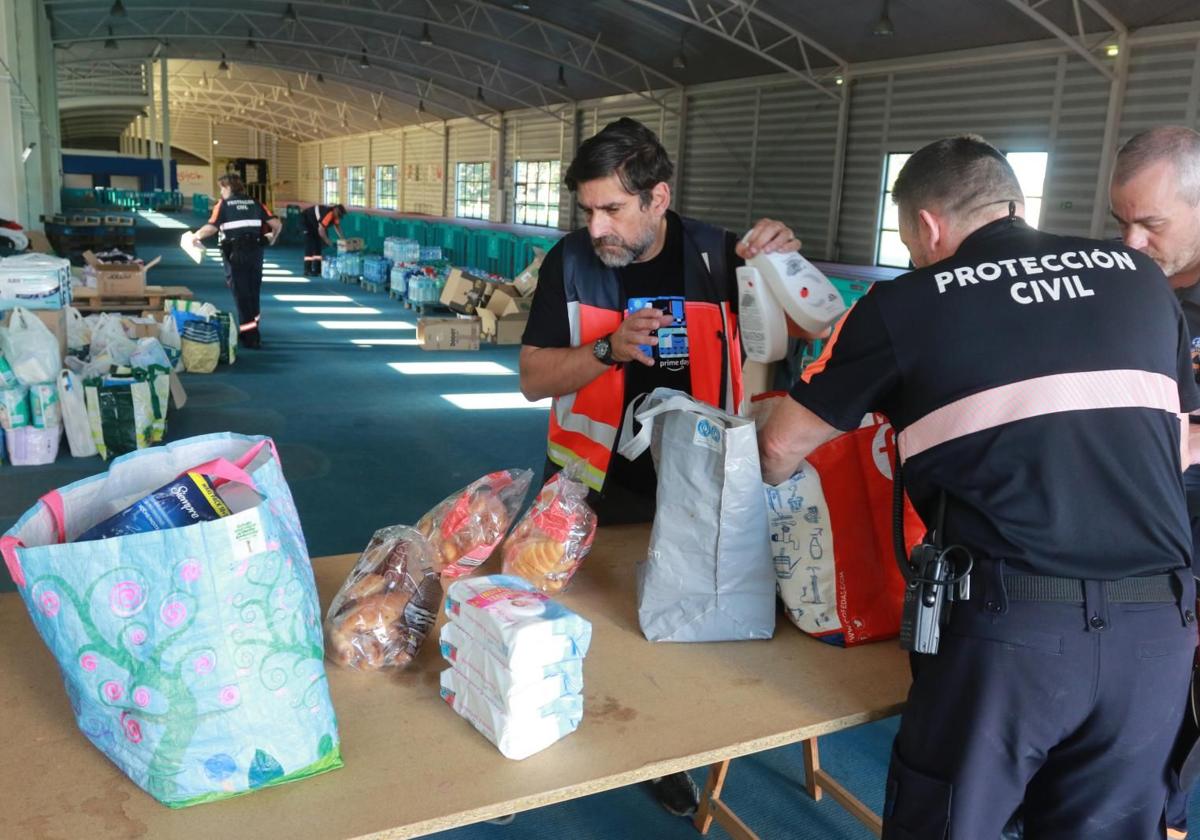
x: 1072, y: 709
x: 312, y: 246
x: 245, y: 263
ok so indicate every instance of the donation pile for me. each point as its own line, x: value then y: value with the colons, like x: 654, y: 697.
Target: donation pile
x: 516, y: 662
x: 30, y: 414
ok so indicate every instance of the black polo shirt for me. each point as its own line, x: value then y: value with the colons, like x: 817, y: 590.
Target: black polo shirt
x: 1037, y: 379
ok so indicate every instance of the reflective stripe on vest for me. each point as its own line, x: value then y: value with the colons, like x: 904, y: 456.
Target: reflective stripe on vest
x: 584, y: 425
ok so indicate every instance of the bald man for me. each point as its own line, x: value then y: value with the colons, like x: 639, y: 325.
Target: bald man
x: 1155, y: 198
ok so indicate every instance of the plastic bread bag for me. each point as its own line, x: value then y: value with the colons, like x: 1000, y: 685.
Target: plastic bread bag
x: 465, y: 528
x: 387, y: 606
x: 555, y: 534
x: 519, y: 625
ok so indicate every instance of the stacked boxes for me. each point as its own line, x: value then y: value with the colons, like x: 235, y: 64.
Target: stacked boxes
x: 516, y: 662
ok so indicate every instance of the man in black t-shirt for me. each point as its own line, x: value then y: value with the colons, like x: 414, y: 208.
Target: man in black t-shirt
x: 616, y: 306
x: 1035, y: 383
x: 643, y: 298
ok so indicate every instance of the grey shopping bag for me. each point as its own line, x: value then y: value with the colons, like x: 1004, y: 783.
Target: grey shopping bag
x: 707, y: 576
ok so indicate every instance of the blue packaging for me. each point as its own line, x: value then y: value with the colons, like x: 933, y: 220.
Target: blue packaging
x: 185, y: 501
x: 672, y: 340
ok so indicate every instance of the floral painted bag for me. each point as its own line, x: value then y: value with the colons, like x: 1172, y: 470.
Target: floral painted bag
x: 192, y: 657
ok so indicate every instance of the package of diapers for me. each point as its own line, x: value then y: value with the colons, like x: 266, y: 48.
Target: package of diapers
x: 516, y: 734
x: 531, y: 688
x: 520, y: 625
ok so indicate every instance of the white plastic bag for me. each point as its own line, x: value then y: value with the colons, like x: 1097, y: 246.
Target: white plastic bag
x: 150, y: 352
x: 168, y: 337
x: 109, y: 340
x: 30, y: 348
x: 74, y: 415
x: 79, y: 333
x: 708, y: 575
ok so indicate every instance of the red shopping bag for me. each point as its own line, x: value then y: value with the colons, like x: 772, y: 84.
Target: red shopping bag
x: 831, y: 536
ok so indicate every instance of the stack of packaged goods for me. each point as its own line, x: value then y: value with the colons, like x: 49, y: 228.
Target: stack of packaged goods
x: 516, y: 662
x: 30, y: 359
x: 35, y: 281
x: 430, y: 253
x: 376, y: 270
x: 350, y: 264
x: 401, y: 251
x: 423, y: 284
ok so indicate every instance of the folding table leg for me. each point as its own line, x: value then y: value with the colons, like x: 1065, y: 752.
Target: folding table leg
x: 812, y: 767
x: 712, y: 808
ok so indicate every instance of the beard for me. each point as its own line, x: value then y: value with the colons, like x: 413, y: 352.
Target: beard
x: 1180, y: 262
x: 616, y: 252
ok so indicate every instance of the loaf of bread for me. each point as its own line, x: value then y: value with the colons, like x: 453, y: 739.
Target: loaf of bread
x: 388, y: 604
x: 466, y: 526
x: 550, y: 542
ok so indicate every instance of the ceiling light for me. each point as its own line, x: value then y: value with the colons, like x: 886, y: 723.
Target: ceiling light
x: 118, y: 9
x: 378, y: 117
x: 363, y: 61
x: 216, y: 142
x: 420, y: 106
x: 110, y: 43
x: 839, y: 81
x: 261, y: 102
x: 679, y: 62
x: 562, y: 77
x: 250, y: 40
x: 289, y: 14
x: 224, y: 65
x: 1112, y: 50
x: 426, y: 38
x: 521, y: 7
x: 883, y: 26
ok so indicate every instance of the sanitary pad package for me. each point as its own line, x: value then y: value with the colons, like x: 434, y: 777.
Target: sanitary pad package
x: 517, y: 734
x: 520, y: 625
x: 527, y: 690
x: 185, y: 501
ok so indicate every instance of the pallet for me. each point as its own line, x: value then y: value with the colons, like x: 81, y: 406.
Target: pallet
x: 349, y: 278
x: 372, y: 287
x: 88, y: 301
x: 395, y: 295
x: 424, y: 309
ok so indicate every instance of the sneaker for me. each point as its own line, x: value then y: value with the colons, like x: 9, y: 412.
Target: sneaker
x: 677, y: 793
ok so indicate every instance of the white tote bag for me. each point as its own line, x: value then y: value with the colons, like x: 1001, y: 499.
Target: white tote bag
x: 708, y: 575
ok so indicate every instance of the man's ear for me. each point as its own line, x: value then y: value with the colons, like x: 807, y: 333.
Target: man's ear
x: 660, y: 197
x: 931, y: 231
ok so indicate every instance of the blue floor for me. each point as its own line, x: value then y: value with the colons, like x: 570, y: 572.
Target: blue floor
x: 364, y: 446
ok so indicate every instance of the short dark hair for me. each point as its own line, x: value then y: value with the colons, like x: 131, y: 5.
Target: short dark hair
x: 340, y: 209
x: 957, y: 175
x: 1175, y: 143
x: 233, y: 181
x: 627, y: 149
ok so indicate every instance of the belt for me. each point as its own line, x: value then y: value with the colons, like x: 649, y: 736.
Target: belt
x: 1148, y: 589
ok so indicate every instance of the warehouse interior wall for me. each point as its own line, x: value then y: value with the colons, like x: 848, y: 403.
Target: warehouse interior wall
x: 768, y: 146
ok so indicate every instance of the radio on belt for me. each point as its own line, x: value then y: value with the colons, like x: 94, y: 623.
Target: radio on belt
x: 775, y: 287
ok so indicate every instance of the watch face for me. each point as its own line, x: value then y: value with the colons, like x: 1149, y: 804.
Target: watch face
x: 602, y: 349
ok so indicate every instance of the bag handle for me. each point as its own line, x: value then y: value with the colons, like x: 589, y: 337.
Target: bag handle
x: 631, y: 445
x: 235, y: 471
x: 54, y: 503
x: 8, y: 548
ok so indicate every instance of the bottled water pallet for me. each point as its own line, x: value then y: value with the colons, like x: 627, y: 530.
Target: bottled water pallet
x: 352, y: 279
x: 371, y: 286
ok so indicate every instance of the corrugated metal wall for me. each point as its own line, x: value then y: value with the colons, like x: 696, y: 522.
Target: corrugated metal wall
x: 310, y: 172
x: 766, y: 147
x: 190, y: 133
x: 287, y: 171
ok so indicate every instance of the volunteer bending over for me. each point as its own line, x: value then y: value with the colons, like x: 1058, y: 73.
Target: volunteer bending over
x: 1062, y: 680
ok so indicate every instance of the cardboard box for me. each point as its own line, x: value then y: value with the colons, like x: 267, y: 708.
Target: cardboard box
x: 119, y: 279
x: 526, y: 281
x: 465, y: 292
x: 506, y: 300
x: 502, y: 329
x: 55, y: 319
x: 38, y: 242
x: 141, y: 327
x: 448, y: 333
x: 350, y: 244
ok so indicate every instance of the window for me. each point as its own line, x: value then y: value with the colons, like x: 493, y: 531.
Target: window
x: 1030, y: 169
x: 331, y: 190
x: 473, y: 190
x: 385, y: 187
x: 356, y: 182
x: 535, y: 192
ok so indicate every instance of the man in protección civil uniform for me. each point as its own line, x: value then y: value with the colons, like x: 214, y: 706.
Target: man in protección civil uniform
x: 242, y: 222
x: 317, y: 221
x: 1036, y: 381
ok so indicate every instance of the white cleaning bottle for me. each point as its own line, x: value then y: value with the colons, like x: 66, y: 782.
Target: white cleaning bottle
x: 760, y: 319
x: 805, y: 294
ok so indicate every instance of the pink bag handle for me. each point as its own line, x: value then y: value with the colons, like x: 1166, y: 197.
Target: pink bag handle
x: 227, y: 470
x: 8, y: 548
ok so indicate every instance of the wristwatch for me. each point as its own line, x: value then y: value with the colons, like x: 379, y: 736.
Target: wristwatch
x: 602, y: 350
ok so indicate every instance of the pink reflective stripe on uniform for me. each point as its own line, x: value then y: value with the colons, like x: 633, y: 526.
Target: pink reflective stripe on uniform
x: 8, y: 548
x: 1085, y: 391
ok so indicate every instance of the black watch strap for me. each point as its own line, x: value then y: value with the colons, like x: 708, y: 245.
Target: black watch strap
x: 602, y: 350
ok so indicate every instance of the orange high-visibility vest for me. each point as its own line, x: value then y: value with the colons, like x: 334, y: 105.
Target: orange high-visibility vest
x: 584, y: 425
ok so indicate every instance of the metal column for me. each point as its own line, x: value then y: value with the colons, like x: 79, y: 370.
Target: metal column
x: 1112, y: 125
x: 839, y: 172
x: 165, y: 117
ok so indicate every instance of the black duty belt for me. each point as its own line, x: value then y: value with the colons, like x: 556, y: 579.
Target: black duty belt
x: 1148, y: 589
